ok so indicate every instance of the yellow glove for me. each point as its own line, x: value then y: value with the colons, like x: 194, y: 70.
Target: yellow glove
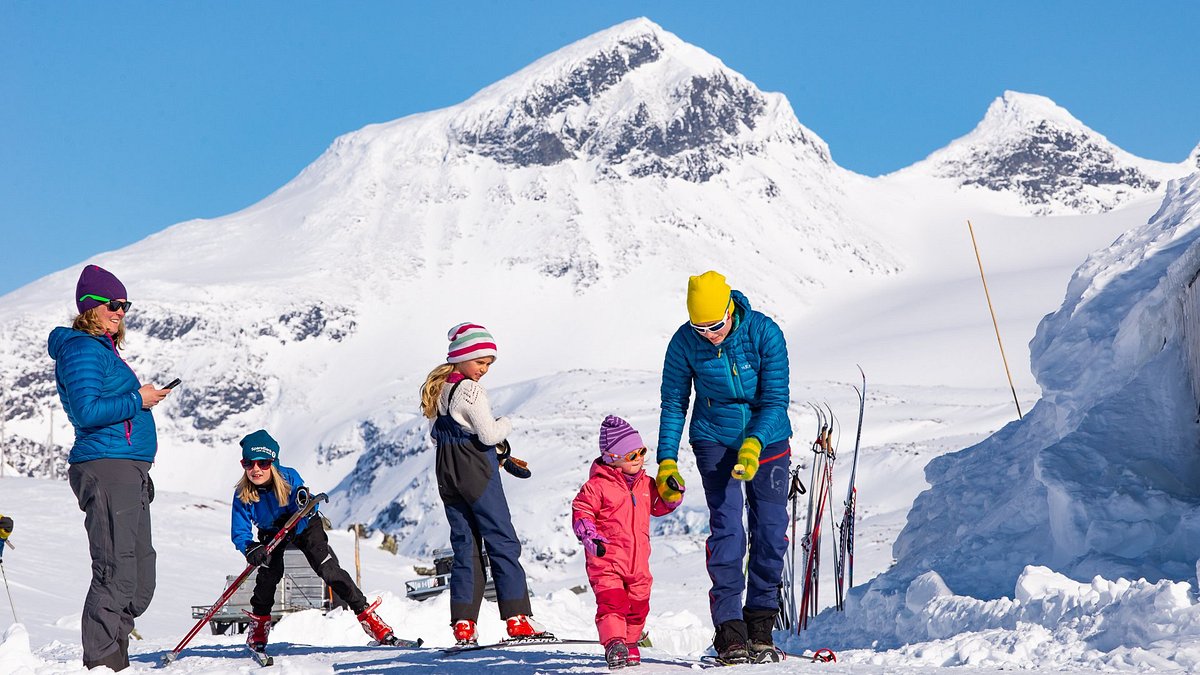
x: 668, y: 481
x: 747, y: 464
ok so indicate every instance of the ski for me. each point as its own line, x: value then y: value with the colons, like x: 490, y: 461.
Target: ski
x: 851, y: 504
x: 261, y: 656
x: 774, y: 655
x: 549, y: 639
x: 394, y: 641
x: 821, y: 482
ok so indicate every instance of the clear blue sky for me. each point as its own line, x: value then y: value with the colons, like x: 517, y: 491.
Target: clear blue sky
x: 118, y: 119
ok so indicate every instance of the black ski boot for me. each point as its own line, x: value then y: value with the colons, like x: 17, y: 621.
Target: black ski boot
x: 730, y: 643
x: 761, y: 644
x: 616, y: 654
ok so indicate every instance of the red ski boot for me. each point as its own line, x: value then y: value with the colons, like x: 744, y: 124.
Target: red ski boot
x: 635, y: 656
x: 374, y: 626
x: 464, y: 633
x: 522, y: 626
x: 256, y: 632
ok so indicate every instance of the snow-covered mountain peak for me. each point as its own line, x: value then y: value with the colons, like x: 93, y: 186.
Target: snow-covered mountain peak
x: 635, y: 96
x: 1193, y: 159
x: 1031, y: 148
x: 1016, y: 112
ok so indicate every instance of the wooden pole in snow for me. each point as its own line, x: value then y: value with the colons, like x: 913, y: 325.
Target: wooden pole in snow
x: 995, y: 324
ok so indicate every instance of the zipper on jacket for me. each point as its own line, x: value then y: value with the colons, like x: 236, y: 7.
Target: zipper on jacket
x: 128, y: 423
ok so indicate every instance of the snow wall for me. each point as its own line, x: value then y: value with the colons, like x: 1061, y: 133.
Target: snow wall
x: 1102, y: 477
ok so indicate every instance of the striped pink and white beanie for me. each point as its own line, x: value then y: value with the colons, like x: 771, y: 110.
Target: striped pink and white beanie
x: 469, y: 341
x: 617, y: 439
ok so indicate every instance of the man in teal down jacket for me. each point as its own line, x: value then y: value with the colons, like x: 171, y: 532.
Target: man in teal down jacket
x: 736, y: 361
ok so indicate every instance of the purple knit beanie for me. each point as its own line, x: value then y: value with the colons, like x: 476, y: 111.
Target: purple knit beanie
x: 617, y: 439
x: 95, y: 280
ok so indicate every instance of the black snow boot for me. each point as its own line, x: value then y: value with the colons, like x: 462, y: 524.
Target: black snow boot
x: 761, y: 644
x: 730, y: 642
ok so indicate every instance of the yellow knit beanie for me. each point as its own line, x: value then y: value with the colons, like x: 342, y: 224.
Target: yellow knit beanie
x: 707, y: 297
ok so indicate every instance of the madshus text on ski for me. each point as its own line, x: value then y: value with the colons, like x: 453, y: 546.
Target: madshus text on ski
x: 727, y: 366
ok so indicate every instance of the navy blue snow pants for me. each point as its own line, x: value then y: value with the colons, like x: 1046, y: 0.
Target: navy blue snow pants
x: 477, y: 510
x: 766, y: 507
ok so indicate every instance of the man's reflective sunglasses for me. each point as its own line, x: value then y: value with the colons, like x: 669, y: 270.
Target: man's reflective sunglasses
x: 112, y: 305
x: 629, y: 456
x: 710, y: 329
x: 263, y: 464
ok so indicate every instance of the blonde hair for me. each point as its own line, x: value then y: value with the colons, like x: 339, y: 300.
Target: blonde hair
x: 89, y: 322
x: 432, y: 389
x: 247, y: 492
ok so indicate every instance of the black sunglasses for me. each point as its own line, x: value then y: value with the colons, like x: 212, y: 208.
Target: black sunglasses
x: 260, y: 463
x: 112, y: 305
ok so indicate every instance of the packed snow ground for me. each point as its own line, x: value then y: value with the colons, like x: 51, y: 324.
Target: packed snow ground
x: 1050, y: 623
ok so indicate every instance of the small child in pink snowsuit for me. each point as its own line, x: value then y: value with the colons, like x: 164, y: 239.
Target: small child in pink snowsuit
x: 611, y: 517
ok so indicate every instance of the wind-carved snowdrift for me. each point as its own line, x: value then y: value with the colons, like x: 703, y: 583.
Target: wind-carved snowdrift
x: 1100, y: 479
x: 1029, y: 147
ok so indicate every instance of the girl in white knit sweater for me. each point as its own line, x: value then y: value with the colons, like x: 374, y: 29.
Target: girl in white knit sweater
x: 467, y: 469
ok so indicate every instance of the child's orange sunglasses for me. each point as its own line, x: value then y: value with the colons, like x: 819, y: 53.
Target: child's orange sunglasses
x: 629, y: 456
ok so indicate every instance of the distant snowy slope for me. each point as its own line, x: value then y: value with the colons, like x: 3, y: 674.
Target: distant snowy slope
x: 1051, y: 163
x: 564, y: 205
x: 1101, y: 476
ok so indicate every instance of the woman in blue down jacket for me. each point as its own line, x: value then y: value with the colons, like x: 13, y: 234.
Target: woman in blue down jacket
x: 115, y: 444
x: 736, y: 359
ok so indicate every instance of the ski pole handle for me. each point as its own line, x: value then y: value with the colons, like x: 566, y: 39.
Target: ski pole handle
x: 738, y: 471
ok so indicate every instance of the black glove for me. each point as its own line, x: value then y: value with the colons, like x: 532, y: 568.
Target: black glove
x: 257, y: 555
x: 516, y: 467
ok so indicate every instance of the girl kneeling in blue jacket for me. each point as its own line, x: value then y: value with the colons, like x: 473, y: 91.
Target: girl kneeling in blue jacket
x: 267, y: 496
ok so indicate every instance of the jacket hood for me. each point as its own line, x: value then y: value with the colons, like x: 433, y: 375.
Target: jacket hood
x: 740, y: 300
x: 59, y: 337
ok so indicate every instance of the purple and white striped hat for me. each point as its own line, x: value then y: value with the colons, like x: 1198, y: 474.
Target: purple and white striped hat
x: 469, y: 341
x: 617, y: 439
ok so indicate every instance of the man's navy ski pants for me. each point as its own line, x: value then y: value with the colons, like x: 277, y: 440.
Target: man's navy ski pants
x: 765, y: 504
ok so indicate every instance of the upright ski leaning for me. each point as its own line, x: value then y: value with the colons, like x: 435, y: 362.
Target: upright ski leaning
x: 821, y: 498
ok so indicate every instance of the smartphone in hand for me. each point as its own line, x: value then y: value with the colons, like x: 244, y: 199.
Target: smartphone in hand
x: 172, y: 383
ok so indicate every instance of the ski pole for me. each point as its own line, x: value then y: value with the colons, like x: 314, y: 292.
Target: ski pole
x: 308, y: 507
x: 10, y: 600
